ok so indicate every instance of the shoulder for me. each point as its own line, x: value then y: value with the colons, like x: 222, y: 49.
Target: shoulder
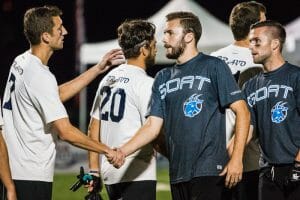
x: 253, y: 80
x: 221, y: 51
x: 214, y: 63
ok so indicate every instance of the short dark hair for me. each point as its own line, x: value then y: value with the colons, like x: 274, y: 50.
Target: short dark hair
x: 39, y: 20
x: 133, y: 34
x: 189, y: 22
x: 242, y: 16
x: 276, y: 30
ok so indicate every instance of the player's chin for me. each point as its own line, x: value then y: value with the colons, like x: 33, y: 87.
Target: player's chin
x: 59, y: 47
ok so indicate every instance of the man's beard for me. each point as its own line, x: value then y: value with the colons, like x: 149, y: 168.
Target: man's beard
x: 150, y: 60
x: 177, y: 50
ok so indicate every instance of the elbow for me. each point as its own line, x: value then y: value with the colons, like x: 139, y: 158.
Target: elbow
x: 62, y: 128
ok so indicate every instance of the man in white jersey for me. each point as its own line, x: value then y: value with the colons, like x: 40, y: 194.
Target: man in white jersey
x: 5, y: 175
x: 33, y: 110
x: 239, y: 59
x: 119, y: 110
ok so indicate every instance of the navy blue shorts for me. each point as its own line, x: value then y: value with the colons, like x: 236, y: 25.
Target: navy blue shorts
x: 136, y: 190
x: 33, y: 190
x: 199, y: 188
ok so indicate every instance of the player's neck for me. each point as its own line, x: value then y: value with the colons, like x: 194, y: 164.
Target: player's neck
x: 188, y: 54
x: 242, y: 43
x: 273, y: 63
x: 43, y: 53
x: 136, y: 62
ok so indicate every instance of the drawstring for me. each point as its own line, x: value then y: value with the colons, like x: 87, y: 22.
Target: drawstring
x: 272, y: 173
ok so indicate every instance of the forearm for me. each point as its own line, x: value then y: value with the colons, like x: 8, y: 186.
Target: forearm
x: 159, y: 144
x: 5, y: 174
x: 77, y: 138
x: 241, y: 132
x: 71, y: 88
x: 94, y: 134
x: 231, y: 141
x: 146, y: 134
x: 71, y: 134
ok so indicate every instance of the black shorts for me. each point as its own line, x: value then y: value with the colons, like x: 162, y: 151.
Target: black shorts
x: 2, y: 191
x: 33, y: 190
x: 273, y: 184
x: 136, y: 190
x: 247, y: 189
x: 199, y: 188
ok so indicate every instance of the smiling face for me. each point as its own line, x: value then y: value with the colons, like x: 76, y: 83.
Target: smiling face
x: 174, y: 39
x: 56, y: 38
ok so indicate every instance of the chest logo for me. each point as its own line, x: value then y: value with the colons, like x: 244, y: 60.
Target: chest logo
x: 279, y: 112
x: 192, y: 106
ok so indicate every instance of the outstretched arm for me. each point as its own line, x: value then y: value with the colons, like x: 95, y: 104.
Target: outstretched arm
x: 159, y: 143
x: 5, y: 175
x: 71, y: 134
x: 71, y: 88
x: 147, y: 133
x: 234, y: 168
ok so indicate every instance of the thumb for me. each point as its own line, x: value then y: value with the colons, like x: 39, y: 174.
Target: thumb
x: 223, y: 172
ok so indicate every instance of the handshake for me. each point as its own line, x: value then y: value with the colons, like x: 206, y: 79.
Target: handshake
x: 115, y: 157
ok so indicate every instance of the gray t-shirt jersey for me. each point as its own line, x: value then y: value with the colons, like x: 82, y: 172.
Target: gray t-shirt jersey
x: 274, y: 102
x: 191, y: 98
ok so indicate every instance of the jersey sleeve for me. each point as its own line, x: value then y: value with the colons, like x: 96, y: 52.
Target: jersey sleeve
x: 95, y: 112
x: 227, y: 88
x: 45, y: 97
x: 157, y: 98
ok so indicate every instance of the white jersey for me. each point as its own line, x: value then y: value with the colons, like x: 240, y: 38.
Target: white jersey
x: 121, y: 103
x: 31, y: 102
x: 239, y: 59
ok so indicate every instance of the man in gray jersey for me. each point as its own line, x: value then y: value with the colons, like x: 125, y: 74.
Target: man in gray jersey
x: 189, y: 99
x: 239, y: 59
x: 273, y: 98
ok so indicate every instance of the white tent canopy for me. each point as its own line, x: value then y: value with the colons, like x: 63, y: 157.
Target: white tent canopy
x: 215, y: 34
x: 293, y: 34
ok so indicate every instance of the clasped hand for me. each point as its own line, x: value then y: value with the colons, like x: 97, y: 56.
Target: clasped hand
x: 116, y: 157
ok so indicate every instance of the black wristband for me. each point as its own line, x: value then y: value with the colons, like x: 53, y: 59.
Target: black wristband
x: 94, y: 171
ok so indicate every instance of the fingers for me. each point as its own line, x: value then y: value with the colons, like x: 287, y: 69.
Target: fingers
x: 116, y: 157
x: 232, y: 181
x: 233, y: 176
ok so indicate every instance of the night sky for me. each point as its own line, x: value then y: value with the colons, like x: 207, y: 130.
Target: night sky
x: 101, y: 23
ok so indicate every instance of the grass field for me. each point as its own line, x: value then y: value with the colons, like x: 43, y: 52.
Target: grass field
x: 62, y: 182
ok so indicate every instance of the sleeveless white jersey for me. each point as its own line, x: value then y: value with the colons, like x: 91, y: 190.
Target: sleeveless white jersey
x: 121, y: 103
x: 239, y: 59
x: 31, y: 102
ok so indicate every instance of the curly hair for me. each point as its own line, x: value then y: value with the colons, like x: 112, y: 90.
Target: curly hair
x: 133, y: 34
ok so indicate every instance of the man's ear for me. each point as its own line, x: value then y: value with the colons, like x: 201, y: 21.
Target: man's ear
x: 189, y: 37
x: 45, y: 37
x: 144, y: 51
x: 275, y: 44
